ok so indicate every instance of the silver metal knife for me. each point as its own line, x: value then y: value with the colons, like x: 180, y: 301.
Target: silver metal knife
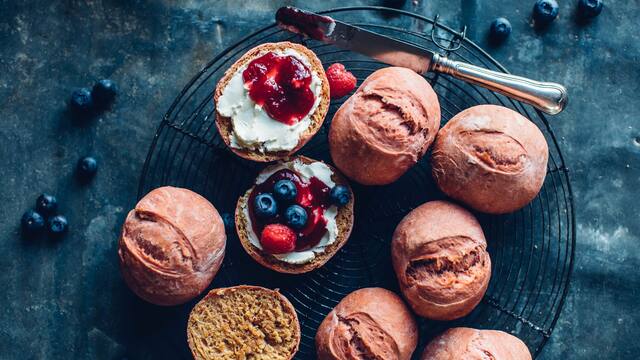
x: 550, y: 98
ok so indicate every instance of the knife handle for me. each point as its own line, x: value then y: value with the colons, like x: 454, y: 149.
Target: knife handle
x: 550, y: 98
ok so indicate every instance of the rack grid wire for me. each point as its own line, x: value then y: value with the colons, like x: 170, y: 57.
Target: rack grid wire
x: 532, y: 250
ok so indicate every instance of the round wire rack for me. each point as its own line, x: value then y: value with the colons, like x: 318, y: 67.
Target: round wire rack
x: 532, y: 250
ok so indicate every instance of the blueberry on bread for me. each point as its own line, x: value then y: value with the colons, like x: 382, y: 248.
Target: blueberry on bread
x: 309, y: 229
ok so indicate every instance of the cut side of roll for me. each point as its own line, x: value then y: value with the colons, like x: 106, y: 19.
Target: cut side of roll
x: 225, y: 124
x: 243, y: 322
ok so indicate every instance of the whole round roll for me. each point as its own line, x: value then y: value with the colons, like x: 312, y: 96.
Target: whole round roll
x: 172, y: 245
x: 385, y: 127
x: 440, y: 259
x: 466, y: 343
x: 369, y: 323
x: 491, y: 158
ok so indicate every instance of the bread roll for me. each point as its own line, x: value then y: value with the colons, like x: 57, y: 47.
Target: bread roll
x: 172, y: 245
x: 440, y: 258
x: 490, y: 158
x: 385, y: 127
x: 224, y: 124
x: 344, y: 222
x: 370, y: 323
x: 470, y: 344
x: 243, y: 322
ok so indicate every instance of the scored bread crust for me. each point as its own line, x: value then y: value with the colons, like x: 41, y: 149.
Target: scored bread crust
x: 344, y: 221
x: 467, y: 343
x: 224, y: 125
x: 287, y: 306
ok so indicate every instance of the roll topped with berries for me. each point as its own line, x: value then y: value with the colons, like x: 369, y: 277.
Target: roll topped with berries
x: 271, y: 101
x: 297, y: 216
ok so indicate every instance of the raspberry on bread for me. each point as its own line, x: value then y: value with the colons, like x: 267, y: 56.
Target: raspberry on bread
x: 278, y: 239
x: 344, y: 222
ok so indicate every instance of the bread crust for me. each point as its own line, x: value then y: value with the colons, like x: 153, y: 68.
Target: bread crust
x: 224, y: 124
x: 439, y: 255
x: 344, y: 220
x: 466, y: 343
x: 385, y: 127
x: 491, y: 158
x: 171, y: 246
x: 373, y: 320
x: 221, y: 291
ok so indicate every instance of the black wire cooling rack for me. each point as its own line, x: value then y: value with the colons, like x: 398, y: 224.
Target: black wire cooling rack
x: 531, y: 250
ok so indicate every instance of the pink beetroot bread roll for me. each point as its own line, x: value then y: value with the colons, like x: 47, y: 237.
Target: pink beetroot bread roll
x: 491, y: 158
x: 172, y: 245
x: 385, y: 127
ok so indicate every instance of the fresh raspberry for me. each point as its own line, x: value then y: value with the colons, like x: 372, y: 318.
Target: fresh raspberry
x: 278, y: 239
x: 341, y: 82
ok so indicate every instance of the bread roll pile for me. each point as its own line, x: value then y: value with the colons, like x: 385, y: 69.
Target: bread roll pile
x: 488, y: 158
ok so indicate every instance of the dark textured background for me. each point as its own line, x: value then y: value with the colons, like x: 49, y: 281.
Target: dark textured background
x: 59, y: 299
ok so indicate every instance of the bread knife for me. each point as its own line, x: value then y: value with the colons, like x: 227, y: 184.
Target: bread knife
x: 548, y: 97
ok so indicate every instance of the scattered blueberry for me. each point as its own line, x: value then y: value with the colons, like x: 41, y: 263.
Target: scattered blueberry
x: 265, y: 206
x: 590, y: 8
x: 228, y: 221
x: 32, y: 222
x: 46, y: 204
x: 296, y: 216
x: 57, y: 225
x: 81, y: 101
x: 340, y: 195
x: 87, y: 167
x: 285, y: 190
x: 500, y: 30
x: 545, y: 11
x: 104, y: 92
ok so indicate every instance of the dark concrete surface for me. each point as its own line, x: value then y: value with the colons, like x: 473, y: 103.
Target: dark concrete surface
x: 59, y: 299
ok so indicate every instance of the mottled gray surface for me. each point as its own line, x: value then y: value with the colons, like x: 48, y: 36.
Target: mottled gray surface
x: 59, y: 298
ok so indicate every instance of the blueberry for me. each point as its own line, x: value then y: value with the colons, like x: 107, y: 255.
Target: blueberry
x: 265, y: 206
x: 500, y: 30
x: 32, y: 222
x: 590, y: 8
x: 57, y: 225
x: 296, y: 216
x: 46, y: 204
x: 228, y: 221
x: 87, y: 167
x: 104, y: 92
x: 81, y: 101
x: 545, y: 11
x: 285, y: 190
x: 340, y: 195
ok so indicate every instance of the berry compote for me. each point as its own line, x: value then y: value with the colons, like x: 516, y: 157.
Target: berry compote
x: 281, y: 85
x: 313, y: 196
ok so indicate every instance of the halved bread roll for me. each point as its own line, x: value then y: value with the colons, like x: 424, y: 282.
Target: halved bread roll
x: 243, y: 322
x: 225, y: 125
x: 344, y: 222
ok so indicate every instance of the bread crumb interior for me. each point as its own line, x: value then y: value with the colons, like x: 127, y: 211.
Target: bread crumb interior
x: 242, y: 324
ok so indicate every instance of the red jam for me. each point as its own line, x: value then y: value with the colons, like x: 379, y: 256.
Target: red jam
x: 313, y: 196
x: 281, y: 85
